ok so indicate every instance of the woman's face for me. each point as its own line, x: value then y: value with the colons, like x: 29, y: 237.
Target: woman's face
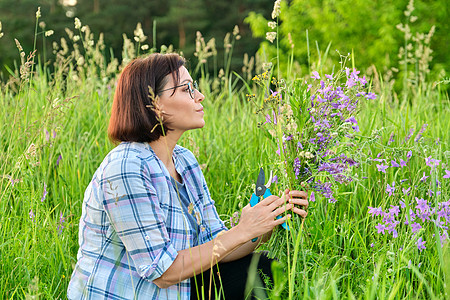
x: 181, y: 112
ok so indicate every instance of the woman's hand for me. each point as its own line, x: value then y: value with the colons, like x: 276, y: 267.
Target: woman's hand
x: 261, y: 218
x: 298, y: 198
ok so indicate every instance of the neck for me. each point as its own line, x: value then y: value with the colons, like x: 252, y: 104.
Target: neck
x: 163, y: 147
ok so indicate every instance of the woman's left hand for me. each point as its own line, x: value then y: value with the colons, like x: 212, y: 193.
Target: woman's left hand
x: 298, y: 198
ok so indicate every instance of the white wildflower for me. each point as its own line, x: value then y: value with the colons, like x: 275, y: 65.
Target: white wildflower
x: 42, y: 24
x: 1, y: 33
x: 77, y: 23
x: 272, y: 24
x: 276, y: 9
x: 270, y: 36
x: 236, y: 30
x: 144, y: 47
x: 38, y: 13
x: 49, y: 32
x: 76, y: 38
x: 139, y: 35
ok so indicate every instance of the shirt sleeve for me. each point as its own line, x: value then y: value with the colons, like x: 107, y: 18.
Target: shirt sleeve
x: 134, y: 210
x: 213, y: 223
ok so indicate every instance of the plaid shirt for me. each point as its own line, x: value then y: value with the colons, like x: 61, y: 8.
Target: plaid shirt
x: 132, y: 225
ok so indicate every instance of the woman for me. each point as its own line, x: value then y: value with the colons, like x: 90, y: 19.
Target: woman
x: 149, y: 227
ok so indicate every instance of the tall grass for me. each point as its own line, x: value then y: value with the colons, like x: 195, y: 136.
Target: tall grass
x: 53, y: 137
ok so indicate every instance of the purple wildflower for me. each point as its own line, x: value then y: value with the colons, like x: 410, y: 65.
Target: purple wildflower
x: 297, y: 166
x: 45, y: 193
x: 299, y: 145
x: 394, y: 210
x: 394, y: 164
x: 390, y: 189
x: 315, y: 75
x: 424, y: 178
x: 391, y: 139
x: 375, y: 211
x: 31, y: 214
x: 447, y: 174
x: 60, y: 227
x: 422, y: 204
x: 330, y: 77
x: 402, y: 163
x: 58, y: 160
x: 415, y: 227
x: 402, y: 204
x: 381, y: 228
x: 352, y: 119
x: 382, y: 168
x: 409, y: 154
x: 432, y: 162
x: 275, y: 179
x: 371, y: 96
x: 420, y: 244
x: 47, y: 135
x: 411, y: 131
x: 406, y: 191
x: 312, y: 197
x: 372, y: 245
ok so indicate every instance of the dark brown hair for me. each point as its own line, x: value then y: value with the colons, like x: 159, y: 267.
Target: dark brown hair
x: 132, y: 120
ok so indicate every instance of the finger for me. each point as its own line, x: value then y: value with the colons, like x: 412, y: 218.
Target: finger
x: 282, y: 209
x: 246, y: 207
x: 298, y: 194
x: 269, y: 200
x: 275, y: 204
x: 301, y: 202
x: 300, y: 212
x: 282, y: 220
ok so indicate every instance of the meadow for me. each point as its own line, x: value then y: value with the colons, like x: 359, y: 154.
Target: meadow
x: 53, y: 137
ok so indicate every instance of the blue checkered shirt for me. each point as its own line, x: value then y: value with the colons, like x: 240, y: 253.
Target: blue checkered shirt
x: 132, y: 225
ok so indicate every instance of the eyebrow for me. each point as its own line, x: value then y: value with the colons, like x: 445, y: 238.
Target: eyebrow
x: 188, y: 80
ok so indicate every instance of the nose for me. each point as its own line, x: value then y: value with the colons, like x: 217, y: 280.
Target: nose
x: 199, y: 97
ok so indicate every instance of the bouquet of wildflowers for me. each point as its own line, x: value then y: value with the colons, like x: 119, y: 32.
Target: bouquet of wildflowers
x: 312, y: 123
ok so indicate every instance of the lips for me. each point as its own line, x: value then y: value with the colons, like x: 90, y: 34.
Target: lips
x: 199, y: 110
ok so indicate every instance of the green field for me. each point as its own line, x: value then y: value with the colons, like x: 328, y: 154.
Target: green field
x: 53, y: 137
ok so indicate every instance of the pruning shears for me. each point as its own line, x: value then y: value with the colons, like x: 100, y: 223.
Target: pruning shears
x: 262, y: 191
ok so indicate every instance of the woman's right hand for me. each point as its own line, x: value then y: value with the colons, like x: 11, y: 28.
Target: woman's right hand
x: 261, y: 218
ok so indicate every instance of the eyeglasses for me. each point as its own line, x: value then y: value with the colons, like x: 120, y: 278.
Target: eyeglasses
x: 192, y: 86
